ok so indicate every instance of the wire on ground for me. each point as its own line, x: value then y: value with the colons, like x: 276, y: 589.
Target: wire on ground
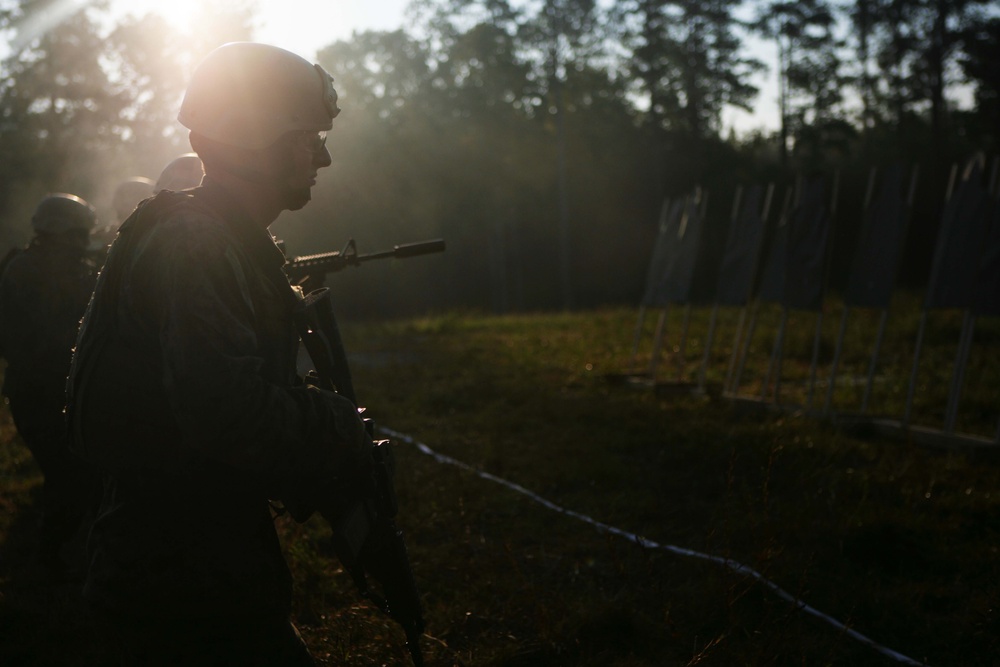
x: 733, y: 565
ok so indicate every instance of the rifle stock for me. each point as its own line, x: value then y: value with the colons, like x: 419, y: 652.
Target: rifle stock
x: 365, y: 536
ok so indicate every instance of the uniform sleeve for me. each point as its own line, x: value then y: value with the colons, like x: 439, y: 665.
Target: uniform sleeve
x: 224, y: 407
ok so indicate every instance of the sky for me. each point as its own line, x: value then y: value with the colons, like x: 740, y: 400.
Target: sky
x: 305, y: 26
x: 302, y: 26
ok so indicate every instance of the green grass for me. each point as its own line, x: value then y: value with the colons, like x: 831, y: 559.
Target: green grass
x: 897, y: 540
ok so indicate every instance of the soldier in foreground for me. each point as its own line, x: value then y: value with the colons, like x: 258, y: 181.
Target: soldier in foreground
x: 43, y: 293
x: 184, y: 392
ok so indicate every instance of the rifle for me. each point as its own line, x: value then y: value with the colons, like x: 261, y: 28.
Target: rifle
x: 363, y: 516
x: 312, y: 269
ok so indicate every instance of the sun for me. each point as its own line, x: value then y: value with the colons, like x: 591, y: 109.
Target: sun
x: 301, y: 26
x: 179, y: 13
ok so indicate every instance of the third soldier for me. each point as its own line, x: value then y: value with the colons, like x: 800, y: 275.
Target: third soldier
x: 43, y: 293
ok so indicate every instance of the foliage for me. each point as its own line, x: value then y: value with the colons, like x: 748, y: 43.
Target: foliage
x: 85, y: 106
x: 57, y: 107
x: 538, y: 138
x: 690, y: 56
x: 981, y: 64
x: 808, y: 65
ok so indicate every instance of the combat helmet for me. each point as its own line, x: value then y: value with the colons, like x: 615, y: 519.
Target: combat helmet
x: 130, y: 192
x: 181, y: 173
x: 60, y: 212
x: 248, y: 95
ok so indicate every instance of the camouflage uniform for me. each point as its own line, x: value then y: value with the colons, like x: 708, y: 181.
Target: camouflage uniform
x: 43, y: 293
x: 184, y: 393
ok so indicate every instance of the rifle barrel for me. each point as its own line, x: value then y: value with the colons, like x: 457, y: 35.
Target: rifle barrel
x: 337, y: 258
x: 407, y: 250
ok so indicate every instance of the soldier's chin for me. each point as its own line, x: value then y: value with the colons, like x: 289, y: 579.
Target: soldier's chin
x: 297, y: 199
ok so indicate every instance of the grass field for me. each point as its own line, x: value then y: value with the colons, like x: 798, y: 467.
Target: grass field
x: 894, y: 540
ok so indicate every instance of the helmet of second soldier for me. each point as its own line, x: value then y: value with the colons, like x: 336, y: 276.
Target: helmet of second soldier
x: 60, y: 212
x: 181, y: 173
x: 248, y: 95
x: 130, y: 192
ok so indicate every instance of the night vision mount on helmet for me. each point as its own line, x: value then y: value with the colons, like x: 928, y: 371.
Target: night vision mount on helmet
x: 249, y: 95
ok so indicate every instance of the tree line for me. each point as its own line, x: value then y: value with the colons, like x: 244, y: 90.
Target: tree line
x: 539, y: 137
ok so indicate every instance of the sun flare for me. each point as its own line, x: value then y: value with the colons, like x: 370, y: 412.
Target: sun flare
x: 181, y: 13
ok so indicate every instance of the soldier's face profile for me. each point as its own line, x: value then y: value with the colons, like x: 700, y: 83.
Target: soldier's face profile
x: 301, y: 155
